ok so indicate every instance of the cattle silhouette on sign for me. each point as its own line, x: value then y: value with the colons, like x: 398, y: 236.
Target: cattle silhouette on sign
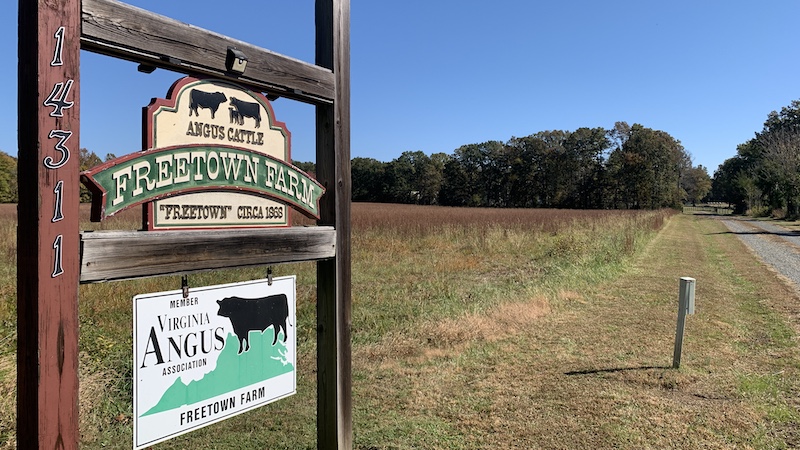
x: 246, y: 109
x: 255, y: 314
x: 235, y: 116
x: 208, y: 100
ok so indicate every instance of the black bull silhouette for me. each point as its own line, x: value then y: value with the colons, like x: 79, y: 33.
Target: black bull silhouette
x: 201, y: 99
x: 246, y: 109
x: 255, y: 314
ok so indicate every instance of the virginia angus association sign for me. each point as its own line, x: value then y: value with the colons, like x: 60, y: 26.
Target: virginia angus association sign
x: 214, y: 157
x: 218, y: 352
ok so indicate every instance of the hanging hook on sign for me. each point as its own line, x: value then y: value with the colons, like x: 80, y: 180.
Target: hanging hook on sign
x: 269, y: 275
x: 185, y: 286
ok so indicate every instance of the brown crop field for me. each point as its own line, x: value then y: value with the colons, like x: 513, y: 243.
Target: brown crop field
x: 492, y: 328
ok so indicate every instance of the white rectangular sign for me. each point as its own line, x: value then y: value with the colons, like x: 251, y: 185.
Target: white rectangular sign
x: 221, y: 351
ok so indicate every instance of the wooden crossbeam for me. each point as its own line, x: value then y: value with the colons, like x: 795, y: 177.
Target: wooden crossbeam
x: 123, y: 255
x: 127, y: 32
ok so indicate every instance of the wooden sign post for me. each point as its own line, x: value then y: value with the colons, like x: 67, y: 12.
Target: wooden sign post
x: 334, y: 422
x: 48, y: 233
x: 54, y: 255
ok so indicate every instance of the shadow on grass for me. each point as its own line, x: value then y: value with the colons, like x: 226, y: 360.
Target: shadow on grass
x: 612, y: 370
x: 760, y: 230
x: 772, y: 233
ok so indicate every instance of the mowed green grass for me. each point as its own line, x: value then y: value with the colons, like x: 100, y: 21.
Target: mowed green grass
x: 487, y: 328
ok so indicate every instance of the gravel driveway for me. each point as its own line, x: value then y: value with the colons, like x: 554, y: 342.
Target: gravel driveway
x: 775, y: 245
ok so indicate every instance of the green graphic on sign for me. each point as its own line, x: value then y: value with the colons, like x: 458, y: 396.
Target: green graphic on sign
x: 262, y: 362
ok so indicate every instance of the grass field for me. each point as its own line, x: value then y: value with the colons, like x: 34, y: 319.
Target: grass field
x: 487, y: 328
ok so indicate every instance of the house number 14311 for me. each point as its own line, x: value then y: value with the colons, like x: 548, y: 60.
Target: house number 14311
x: 58, y: 101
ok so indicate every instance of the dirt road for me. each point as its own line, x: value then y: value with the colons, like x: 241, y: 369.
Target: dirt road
x: 776, y: 246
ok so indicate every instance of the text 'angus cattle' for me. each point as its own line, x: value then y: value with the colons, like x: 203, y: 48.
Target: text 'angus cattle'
x: 255, y: 314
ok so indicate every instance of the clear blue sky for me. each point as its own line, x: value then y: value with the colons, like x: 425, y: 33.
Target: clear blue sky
x: 433, y: 75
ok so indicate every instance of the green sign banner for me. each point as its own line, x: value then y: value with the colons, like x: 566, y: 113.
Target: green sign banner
x: 163, y: 172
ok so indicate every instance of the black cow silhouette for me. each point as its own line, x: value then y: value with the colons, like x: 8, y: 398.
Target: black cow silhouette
x: 209, y: 100
x: 235, y: 116
x: 255, y: 314
x: 247, y: 109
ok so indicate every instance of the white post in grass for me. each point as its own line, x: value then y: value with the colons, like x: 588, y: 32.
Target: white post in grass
x: 685, y: 306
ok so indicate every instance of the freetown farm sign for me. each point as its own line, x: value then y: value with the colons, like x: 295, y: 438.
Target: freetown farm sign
x: 215, y: 157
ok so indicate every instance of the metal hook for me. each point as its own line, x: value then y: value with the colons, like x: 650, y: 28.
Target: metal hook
x: 269, y: 276
x: 185, y: 286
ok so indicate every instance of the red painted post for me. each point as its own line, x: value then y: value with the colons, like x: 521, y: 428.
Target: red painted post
x: 48, y: 230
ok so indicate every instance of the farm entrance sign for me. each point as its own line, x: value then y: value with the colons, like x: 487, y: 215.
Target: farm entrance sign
x: 220, y: 351
x: 215, y: 157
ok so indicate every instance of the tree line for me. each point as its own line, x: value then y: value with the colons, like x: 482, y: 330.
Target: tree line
x: 627, y: 167
x: 764, y: 176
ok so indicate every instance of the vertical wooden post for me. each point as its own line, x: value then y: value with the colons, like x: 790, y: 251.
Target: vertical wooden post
x: 47, y: 234
x: 685, y: 306
x: 334, y: 402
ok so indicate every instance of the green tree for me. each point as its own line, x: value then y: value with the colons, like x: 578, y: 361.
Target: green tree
x: 696, y: 183
x: 619, y: 134
x: 552, y: 173
x: 8, y: 178
x: 87, y: 161
x: 735, y: 184
x: 779, y: 142
x: 615, y: 188
x: 414, y: 178
x: 781, y: 165
x: 494, y: 173
x: 368, y: 176
x: 307, y: 167
x: 438, y: 161
x: 766, y: 169
x: 525, y: 157
x: 788, y: 118
x: 400, y: 174
x: 583, y: 167
x: 467, y: 176
x: 647, y: 169
x: 455, y: 189
x: 428, y: 179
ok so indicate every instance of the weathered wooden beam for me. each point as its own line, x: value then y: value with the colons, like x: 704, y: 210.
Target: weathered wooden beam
x: 120, y: 255
x: 47, y: 232
x: 334, y: 299
x: 117, y: 29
